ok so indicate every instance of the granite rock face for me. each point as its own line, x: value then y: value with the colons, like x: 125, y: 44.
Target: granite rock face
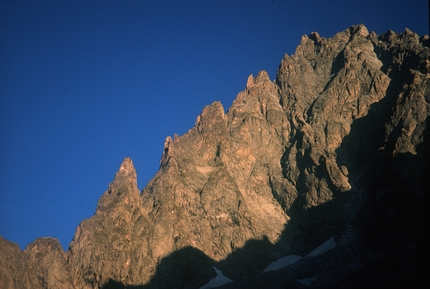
x: 334, y: 146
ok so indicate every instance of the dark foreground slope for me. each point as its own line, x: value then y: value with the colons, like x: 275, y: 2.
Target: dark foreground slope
x: 335, y: 146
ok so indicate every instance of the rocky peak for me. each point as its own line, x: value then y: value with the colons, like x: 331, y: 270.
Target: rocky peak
x: 126, y: 171
x: 359, y: 31
x: 123, y: 189
x: 210, y: 116
x: 250, y: 82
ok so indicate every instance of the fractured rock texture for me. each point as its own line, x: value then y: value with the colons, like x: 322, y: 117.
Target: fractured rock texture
x: 333, y: 146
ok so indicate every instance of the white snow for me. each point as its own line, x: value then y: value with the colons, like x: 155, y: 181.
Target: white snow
x: 290, y: 259
x: 308, y: 281
x: 219, y: 280
x: 282, y: 263
x: 324, y: 247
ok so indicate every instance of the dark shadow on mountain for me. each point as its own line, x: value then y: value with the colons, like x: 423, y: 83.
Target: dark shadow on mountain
x: 386, y: 273
x: 387, y: 224
x: 112, y: 284
x: 385, y: 210
x: 423, y: 252
x: 260, y: 251
x: 191, y: 268
x: 392, y: 184
x: 279, y: 279
x: 186, y: 268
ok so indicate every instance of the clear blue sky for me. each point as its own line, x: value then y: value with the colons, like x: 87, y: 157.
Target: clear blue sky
x: 85, y: 83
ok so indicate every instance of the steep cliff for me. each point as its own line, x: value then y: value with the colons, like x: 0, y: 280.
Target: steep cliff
x: 334, y: 146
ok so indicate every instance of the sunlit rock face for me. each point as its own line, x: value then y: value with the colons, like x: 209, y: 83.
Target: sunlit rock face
x: 334, y: 146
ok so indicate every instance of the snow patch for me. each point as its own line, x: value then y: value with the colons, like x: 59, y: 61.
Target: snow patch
x: 219, y: 280
x: 308, y: 281
x: 324, y: 247
x: 282, y: 263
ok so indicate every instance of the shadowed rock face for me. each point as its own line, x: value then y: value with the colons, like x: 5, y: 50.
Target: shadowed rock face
x: 334, y: 146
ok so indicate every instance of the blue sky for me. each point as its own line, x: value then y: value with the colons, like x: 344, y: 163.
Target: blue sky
x: 86, y: 83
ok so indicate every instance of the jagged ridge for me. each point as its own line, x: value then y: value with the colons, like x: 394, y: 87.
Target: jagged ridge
x: 294, y: 161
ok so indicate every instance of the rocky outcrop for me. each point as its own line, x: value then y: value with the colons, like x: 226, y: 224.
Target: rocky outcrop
x: 333, y: 146
x: 42, y: 264
x: 109, y: 244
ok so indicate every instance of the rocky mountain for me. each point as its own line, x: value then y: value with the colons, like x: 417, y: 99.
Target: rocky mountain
x: 337, y: 145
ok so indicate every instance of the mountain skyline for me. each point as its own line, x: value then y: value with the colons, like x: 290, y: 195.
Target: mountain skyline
x: 326, y: 165
x: 88, y: 84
